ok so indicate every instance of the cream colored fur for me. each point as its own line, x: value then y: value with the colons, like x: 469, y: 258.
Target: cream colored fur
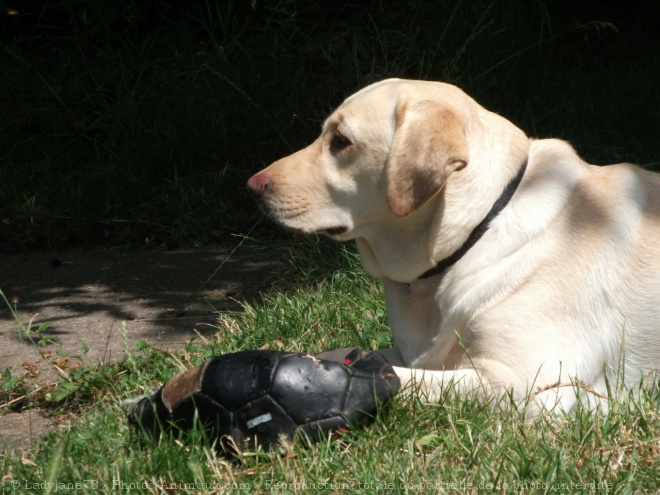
x: 558, y: 298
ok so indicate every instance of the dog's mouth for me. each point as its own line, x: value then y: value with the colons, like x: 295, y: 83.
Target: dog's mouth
x: 334, y: 231
x: 290, y: 219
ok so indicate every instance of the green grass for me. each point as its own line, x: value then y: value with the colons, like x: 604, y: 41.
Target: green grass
x: 458, y: 445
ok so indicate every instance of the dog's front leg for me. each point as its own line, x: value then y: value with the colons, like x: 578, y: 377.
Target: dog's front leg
x: 430, y: 384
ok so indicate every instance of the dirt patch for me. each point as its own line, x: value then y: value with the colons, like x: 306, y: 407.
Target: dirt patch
x: 112, y: 299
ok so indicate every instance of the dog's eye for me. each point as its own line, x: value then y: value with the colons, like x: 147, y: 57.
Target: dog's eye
x: 339, y: 142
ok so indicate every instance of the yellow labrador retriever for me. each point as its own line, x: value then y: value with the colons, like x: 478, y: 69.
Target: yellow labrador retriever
x: 508, y: 263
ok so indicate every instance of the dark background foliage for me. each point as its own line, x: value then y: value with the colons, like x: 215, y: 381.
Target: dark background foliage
x: 138, y: 122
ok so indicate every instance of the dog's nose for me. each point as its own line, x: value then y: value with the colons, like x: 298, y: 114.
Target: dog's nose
x: 257, y: 184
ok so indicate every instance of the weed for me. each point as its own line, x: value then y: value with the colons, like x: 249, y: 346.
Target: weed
x: 12, y: 389
x: 139, y: 124
x: 26, y: 331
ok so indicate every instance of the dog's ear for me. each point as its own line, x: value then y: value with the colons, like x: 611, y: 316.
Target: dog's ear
x: 429, y: 144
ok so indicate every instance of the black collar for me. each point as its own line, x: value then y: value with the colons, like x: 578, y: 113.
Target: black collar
x: 480, y: 229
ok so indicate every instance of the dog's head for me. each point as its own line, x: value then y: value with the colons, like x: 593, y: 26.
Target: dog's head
x: 378, y: 166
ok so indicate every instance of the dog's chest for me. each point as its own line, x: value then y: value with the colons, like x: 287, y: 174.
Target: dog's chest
x: 425, y: 336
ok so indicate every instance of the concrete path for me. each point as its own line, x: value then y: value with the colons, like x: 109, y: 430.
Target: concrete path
x: 161, y: 297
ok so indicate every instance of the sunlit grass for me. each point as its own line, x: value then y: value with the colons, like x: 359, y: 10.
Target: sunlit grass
x: 459, y: 445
